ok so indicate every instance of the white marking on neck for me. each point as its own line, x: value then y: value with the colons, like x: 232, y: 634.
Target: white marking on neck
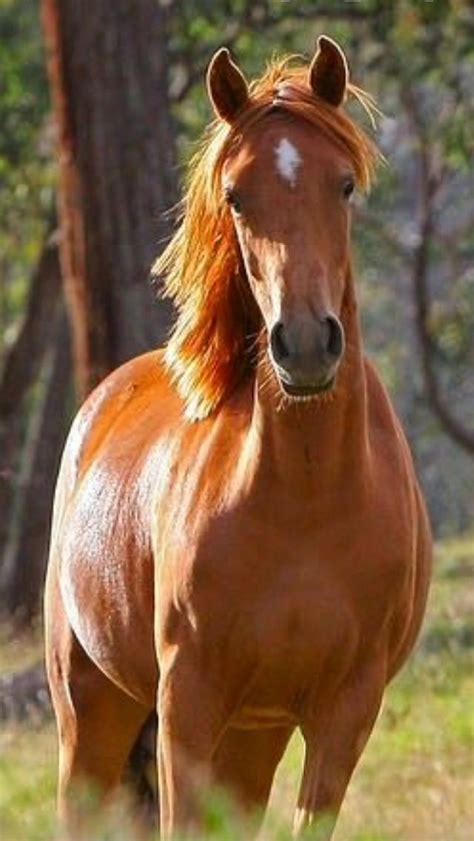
x: 288, y: 160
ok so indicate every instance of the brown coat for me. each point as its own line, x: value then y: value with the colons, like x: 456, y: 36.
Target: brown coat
x: 270, y: 561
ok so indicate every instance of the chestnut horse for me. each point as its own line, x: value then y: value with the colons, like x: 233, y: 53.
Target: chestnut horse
x: 239, y: 540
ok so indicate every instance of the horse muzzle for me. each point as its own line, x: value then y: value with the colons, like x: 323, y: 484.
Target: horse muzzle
x: 306, y: 354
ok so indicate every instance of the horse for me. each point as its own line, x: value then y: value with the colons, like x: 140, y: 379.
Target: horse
x: 239, y: 540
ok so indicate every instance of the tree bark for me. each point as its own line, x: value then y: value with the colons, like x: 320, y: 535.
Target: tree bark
x: 22, y: 364
x: 23, y: 572
x: 108, y: 70
x: 430, y: 183
x: 24, y: 357
x: 450, y: 423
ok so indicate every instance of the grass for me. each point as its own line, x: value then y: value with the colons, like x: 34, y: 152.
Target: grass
x: 414, y: 783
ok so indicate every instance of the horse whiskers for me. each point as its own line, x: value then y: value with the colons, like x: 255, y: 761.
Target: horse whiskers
x: 265, y: 383
x: 282, y: 402
x: 254, y: 342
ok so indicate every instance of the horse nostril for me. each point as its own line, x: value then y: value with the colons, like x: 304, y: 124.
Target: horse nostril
x: 334, y: 336
x: 277, y: 343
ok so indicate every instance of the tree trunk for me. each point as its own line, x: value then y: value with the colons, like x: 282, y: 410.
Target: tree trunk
x: 23, y: 571
x: 430, y: 183
x: 22, y: 364
x: 108, y: 71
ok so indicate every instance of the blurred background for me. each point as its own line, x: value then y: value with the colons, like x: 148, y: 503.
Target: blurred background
x: 100, y: 106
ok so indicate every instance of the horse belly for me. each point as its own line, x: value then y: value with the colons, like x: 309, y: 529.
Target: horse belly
x: 106, y: 580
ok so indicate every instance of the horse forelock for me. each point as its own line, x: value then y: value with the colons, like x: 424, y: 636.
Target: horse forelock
x: 210, y: 349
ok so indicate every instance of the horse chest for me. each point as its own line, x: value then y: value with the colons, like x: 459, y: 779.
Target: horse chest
x: 297, y: 580
x: 284, y: 619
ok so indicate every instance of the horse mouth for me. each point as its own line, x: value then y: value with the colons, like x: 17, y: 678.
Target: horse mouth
x: 306, y: 391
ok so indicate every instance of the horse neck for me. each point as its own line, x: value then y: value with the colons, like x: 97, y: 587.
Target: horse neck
x: 325, y: 437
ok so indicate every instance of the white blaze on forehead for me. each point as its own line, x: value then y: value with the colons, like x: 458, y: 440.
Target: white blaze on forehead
x: 288, y: 160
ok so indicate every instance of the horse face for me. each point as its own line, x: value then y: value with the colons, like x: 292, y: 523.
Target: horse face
x: 289, y: 191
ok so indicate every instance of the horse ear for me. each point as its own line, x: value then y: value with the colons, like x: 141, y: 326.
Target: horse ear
x: 226, y: 86
x: 328, y: 72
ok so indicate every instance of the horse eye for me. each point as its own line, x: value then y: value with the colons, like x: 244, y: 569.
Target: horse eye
x: 348, y: 188
x: 233, y: 201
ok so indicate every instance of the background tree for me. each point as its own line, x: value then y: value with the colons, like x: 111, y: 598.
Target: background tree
x: 128, y: 99
x: 30, y: 304
x: 108, y: 69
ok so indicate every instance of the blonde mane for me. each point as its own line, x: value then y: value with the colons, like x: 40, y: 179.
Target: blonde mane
x: 209, y: 351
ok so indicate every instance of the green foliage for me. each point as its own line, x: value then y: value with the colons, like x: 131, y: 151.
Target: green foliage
x: 26, y: 163
x: 394, y: 48
x: 24, y: 98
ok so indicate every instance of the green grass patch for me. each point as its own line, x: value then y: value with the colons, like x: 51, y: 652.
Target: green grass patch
x: 415, y: 781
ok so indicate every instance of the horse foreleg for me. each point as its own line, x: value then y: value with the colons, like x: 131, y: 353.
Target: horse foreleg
x: 189, y: 727
x: 332, y: 752
x: 244, y: 766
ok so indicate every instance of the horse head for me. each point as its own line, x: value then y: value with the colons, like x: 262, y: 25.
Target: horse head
x: 264, y: 248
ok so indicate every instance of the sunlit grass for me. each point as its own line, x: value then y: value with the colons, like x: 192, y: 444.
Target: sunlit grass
x: 414, y: 783
x: 27, y: 783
